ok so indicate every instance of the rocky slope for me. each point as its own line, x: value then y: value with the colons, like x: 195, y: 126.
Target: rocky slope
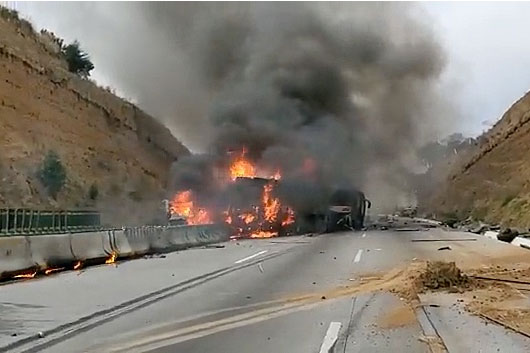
x: 493, y: 183
x: 103, y: 141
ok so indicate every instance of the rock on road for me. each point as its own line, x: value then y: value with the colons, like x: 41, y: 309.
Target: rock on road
x: 266, y: 295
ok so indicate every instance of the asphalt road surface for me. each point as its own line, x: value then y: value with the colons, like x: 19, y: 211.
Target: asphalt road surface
x: 268, y: 295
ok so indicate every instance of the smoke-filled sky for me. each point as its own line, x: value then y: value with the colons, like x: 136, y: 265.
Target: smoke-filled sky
x: 354, y: 86
x: 486, y: 69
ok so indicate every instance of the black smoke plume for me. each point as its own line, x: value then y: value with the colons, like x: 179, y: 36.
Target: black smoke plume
x: 331, y: 94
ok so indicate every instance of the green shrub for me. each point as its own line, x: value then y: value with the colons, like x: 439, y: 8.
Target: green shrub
x: 52, y: 174
x: 78, y: 61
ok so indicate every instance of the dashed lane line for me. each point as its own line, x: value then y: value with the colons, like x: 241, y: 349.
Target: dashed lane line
x: 251, y: 257
x: 358, y: 255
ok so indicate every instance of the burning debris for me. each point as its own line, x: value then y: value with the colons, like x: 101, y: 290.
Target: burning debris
x: 30, y: 274
x: 242, y: 200
x: 49, y: 271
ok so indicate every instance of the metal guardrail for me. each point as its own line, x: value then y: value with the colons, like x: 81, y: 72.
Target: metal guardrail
x: 17, y: 221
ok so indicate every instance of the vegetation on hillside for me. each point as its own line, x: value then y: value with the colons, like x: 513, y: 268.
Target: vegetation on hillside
x: 78, y: 60
x: 52, y: 174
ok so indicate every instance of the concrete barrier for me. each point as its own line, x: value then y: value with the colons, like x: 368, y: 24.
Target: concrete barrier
x: 182, y: 237
x: 158, y: 241
x: 138, y: 241
x: 23, y: 252
x: 522, y: 242
x: 51, y: 250
x: 120, y: 243
x: 90, y: 245
x: 15, y: 255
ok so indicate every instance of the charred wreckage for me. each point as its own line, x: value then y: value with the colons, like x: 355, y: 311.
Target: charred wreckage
x: 252, y: 206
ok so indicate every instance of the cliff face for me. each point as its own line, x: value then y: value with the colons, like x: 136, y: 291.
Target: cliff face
x: 101, y: 139
x: 493, y: 184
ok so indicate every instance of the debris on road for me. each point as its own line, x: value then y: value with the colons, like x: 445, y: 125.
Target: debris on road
x: 213, y: 246
x: 260, y: 267
x: 445, y: 248
x: 440, y: 274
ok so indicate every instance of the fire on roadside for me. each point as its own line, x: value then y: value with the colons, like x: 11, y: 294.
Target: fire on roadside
x: 112, y: 258
x: 52, y: 270
x: 263, y: 234
x: 78, y: 265
x: 26, y: 274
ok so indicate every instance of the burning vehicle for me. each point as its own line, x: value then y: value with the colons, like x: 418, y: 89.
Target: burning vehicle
x: 347, y: 210
x: 256, y: 206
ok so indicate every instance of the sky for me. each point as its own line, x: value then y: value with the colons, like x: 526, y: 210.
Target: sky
x: 485, y: 43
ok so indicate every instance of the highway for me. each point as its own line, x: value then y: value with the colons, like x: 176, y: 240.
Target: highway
x: 292, y: 294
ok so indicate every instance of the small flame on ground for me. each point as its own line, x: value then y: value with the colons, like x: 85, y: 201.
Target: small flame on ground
x: 112, y: 258
x: 26, y: 275
x: 263, y: 234
x: 52, y: 270
x: 277, y: 175
x: 78, y: 265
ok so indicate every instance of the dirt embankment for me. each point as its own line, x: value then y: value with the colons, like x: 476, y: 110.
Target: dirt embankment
x: 103, y: 141
x: 493, y: 184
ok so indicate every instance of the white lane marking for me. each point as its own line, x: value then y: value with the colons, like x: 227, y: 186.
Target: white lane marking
x: 364, y: 234
x: 251, y: 257
x: 331, y: 337
x: 358, y: 255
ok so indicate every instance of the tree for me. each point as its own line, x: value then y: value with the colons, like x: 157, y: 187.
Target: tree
x: 52, y: 174
x: 78, y: 61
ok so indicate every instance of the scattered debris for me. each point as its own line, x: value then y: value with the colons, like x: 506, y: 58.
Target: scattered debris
x: 440, y: 274
x: 445, y: 248
x: 508, y: 235
x: 501, y: 279
x: 214, y: 246
x: 40, y: 334
x: 260, y: 267
x: 13, y: 335
x: 323, y: 297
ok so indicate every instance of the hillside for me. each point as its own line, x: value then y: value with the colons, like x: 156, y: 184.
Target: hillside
x: 104, y: 142
x: 493, y: 184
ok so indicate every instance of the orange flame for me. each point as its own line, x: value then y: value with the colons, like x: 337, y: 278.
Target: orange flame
x: 263, y: 234
x: 289, y: 217
x: 247, y: 217
x: 52, y: 270
x: 26, y: 275
x: 182, y: 205
x: 242, y: 167
x: 277, y: 175
x: 78, y: 265
x: 112, y: 258
x: 271, y: 205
